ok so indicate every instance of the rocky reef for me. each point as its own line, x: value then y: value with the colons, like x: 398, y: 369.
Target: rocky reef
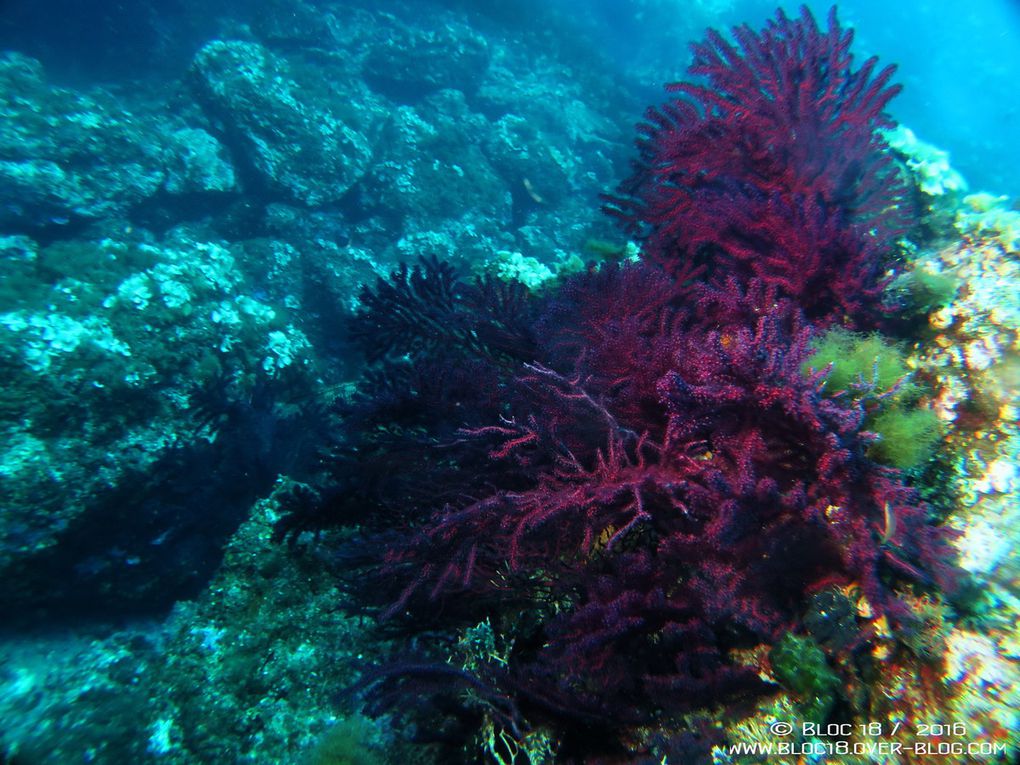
x: 341, y: 425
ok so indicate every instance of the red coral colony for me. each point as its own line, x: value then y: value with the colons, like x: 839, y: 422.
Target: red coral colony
x: 628, y: 480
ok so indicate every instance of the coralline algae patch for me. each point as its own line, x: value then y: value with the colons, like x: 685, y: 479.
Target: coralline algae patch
x: 973, y: 360
x: 928, y: 164
x: 988, y: 216
x: 962, y: 708
x: 103, y: 363
x: 959, y: 708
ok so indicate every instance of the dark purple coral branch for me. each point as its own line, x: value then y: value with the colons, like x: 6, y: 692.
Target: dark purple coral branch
x: 773, y: 168
x: 747, y: 492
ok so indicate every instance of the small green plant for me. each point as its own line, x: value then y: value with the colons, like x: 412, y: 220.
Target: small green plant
x: 351, y: 741
x: 874, y: 370
x: 907, y: 437
x: 603, y: 250
x: 801, y: 667
x: 535, y: 748
x: 859, y: 361
x: 925, y: 290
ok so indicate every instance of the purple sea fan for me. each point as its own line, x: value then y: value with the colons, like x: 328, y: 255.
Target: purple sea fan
x: 785, y: 470
x: 666, y: 547
x: 773, y: 168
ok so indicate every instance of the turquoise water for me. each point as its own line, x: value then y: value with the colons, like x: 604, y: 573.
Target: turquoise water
x: 957, y: 64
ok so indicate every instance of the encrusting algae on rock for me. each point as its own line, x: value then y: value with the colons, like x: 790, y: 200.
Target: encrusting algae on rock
x: 952, y: 690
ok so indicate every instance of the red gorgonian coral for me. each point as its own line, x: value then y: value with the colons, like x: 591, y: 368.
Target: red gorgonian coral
x: 667, y: 544
x: 773, y: 168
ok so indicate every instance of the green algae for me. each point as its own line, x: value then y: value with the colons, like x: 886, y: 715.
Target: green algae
x: 801, y: 667
x: 907, y: 436
x: 348, y: 742
x: 874, y: 370
x: 859, y: 361
x: 925, y: 290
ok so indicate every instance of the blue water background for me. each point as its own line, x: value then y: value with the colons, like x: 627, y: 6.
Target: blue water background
x: 959, y: 61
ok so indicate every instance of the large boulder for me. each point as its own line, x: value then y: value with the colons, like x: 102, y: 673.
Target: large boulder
x: 308, y: 139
